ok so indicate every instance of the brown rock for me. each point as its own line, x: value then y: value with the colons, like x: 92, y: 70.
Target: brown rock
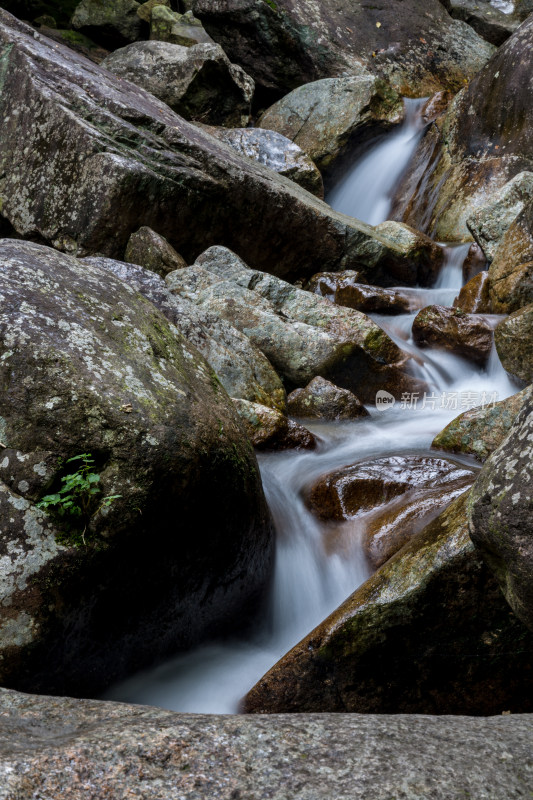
x: 323, y: 400
x: 450, y: 329
x: 436, y: 106
x: 269, y: 429
x: 346, y: 492
x: 514, y: 342
x: 150, y: 250
x: 474, y: 263
x: 344, y: 289
x: 512, y: 290
x: 474, y: 297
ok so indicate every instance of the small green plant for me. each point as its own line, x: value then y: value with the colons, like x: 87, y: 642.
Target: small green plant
x: 79, y: 498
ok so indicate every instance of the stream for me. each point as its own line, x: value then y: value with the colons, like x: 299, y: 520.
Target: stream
x: 313, y: 576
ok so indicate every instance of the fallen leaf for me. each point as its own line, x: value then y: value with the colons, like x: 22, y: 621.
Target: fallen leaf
x: 378, y: 24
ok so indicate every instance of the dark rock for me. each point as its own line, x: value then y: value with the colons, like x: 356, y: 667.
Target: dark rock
x: 276, y: 152
x: 111, y: 23
x: 241, y: 368
x: 90, y: 366
x: 150, y: 250
x: 429, y: 633
x: 346, y: 492
x: 474, y: 263
x: 323, y: 400
x: 56, y: 746
x: 479, y: 431
x: 485, y: 18
x: 466, y: 335
x: 104, y: 144
x: 327, y: 118
x: 474, y: 297
x: 293, y: 42
x: 514, y: 342
x: 344, y: 289
x: 301, y: 334
x: 510, y: 272
x: 145, y: 9
x: 483, y: 142
x: 269, y: 429
x: 197, y: 82
x: 500, y: 513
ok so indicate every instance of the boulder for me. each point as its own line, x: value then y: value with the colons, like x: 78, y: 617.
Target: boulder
x: 514, y: 342
x: 479, y: 431
x: 302, y: 335
x: 150, y: 250
x: 182, y: 29
x: 344, y: 289
x: 111, y: 23
x: 499, y: 512
x: 510, y: 272
x: 198, y: 82
x: 409, y: 240
x: 485, y: 18
x: 474, y: 297
x: 56, y: 746
x: 330, y: 117
x: 276, y: 152
x: 481, y: 144
x: 89, y: 366
x: 269, y: 429
x: 321, y: 399
x: 100, y: 144
x: 465, y: 335
x: 241, y: 368
x: 145, y: 9
x: 428, y: 633
x: 287, y: 43
x: 474, y: 263
x: 346, y: 492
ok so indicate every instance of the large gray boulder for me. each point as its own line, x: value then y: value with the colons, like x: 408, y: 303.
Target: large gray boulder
x: 286, y: 43
x: 500, y: 514
x: 301, y: 334
x: 243, y: 370
x: 483, y: 141
x: 87, y: 365
x: 54, y: 746
x: 100, y: 145
x: 197, y: 82
x: 428, y: 633
x: 325, y: 117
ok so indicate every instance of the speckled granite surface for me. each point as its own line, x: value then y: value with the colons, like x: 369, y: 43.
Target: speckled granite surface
x: 63, y: 749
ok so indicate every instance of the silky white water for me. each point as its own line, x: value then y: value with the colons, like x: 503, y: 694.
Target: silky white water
x: 311, y: 577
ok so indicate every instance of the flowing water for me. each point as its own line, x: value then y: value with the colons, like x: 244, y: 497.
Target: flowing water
x: 312, y: 577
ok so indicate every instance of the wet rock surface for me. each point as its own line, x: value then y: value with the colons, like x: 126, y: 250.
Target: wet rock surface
x: 269, y: 429
x: 321, y: 399
x: 466, y: 335
x: 510, y: 272
x: 296, y: 41
x: 59, y: 747
x: 514, y: 342
x: 474, y: 297
x: 429, y: 633
x: 89, y: 366
x: 480, y: 431
x: 198, y: 82
x: 500, y: 514
x: 344, y: 289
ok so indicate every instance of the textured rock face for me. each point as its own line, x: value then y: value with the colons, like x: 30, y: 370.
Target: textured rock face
x: 269, y: 429
x: 474, y: 297
x: 325, y: 117
x: 500, y: 514
x: 89, y: 366
x: 321, y: 399
x: 485, y: 18
x: 344, y: 289
x: 297, y: 41
x: 430, y: 632
x: 56, y: 747
x: 182, y: 29
x: 111, y: 22
x: 480, y: 431
x: 276, y: 152
x: 103, y: 144
x: 511, y: 270
x: 150, y: 250
x: 466, y: 335
x: 483, y: 142
x: 198, y: 82
x: 301, y: 334
x: 514, y: 342
x: 242, y: 369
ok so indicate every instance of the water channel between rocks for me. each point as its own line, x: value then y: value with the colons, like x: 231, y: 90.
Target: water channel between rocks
x: 311, y: 577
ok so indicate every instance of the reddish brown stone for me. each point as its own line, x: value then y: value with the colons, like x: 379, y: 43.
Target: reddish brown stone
x: 474, y: 297
x: 466, y: 335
